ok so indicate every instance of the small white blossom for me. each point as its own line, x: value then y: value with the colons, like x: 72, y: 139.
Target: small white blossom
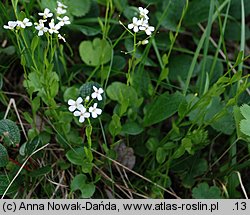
x: 82, y: 113
x: 60, y: 4
x: 41, y: 29
x: 11, y: 25
x: 53, y: 28
x: 73, y: 105
x: 60, y: 37
x: 135, y: 25
x: 60, y: 11
x: 97, y: 93
x: 25, y: 23
x: 46, y: 14
x: 95, y: 111
x: 143, y: 13
x: 63, y: 21
x: 144, y: 42
x: 148, y: 29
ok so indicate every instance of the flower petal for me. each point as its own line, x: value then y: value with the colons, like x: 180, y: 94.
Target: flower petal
x: 99, y: 97
x: 98, y: 111
x: 94, y: 95
x: 71, y: 102
x: 77, y: 113
x: 79, y: 100
x: 94, y: 115
x: 72, y: 108
x: 86, y: 115
x: 81, y: 119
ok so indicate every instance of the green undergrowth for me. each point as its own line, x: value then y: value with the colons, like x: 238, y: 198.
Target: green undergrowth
x: 112, y: 112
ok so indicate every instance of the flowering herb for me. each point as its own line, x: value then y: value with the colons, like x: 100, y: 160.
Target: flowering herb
x: 43, y: 26
x: 86, y: 110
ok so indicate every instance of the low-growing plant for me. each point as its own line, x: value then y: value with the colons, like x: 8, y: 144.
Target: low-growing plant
x: 124, y: 99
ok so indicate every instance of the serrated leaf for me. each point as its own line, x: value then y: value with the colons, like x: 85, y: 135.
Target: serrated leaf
x: 4, y: 158
x: 245, y: 111
x: 10, y: 132
x: 203, y: 191
x: 245, y: 126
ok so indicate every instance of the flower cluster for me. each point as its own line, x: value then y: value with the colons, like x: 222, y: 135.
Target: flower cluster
x: 40, y: 26
x: 141, y: 23
x: 80, y: 110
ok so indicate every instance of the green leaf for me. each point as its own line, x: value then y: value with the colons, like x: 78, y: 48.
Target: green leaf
x: 132, y: 128
x: 178, y: 67
x: 96, y: 52
x: 4, y: 158
x: 162, y: 107
x: 80, y: 183
x: 125, y: 95
x: 4, y: 182
x: 245, y: 111
x: 161, y: 155
x: 203, y: 191
x: 70, y: 93
x: 10, y: 132
x: 152, y: 144
x: 34, y: 44
x: 238, y: 117
x: 51, y: 4
x: 42, y: 171
x: 78, y: 7
x: 32, y: 145
x: 76, y: 156
x: 245, y: 126
x: 197, y: 12
x: 115, y: 125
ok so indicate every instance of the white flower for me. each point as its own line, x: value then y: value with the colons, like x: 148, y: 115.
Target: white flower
x: 148, y: 29
x: 25, y: 23
x: 60, y: 37
x: 41, y: 29
x: 63, y: 21
x: 82, y: 113
x: 144, y: 42
x: 60, y: 4
x: 135, y: 25
x: 11, y: 25
x: 53, y: 28
x: 95, y: 111
x: 75, y: 104
x: 60, y: 11
x: 46, y: 13
x: 143, y: 13
x: 97, y: 93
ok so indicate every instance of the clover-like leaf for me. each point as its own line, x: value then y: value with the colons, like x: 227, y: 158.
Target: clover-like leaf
x: 203, y: 191
x: 80, y: 183
x: 96, y: 52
